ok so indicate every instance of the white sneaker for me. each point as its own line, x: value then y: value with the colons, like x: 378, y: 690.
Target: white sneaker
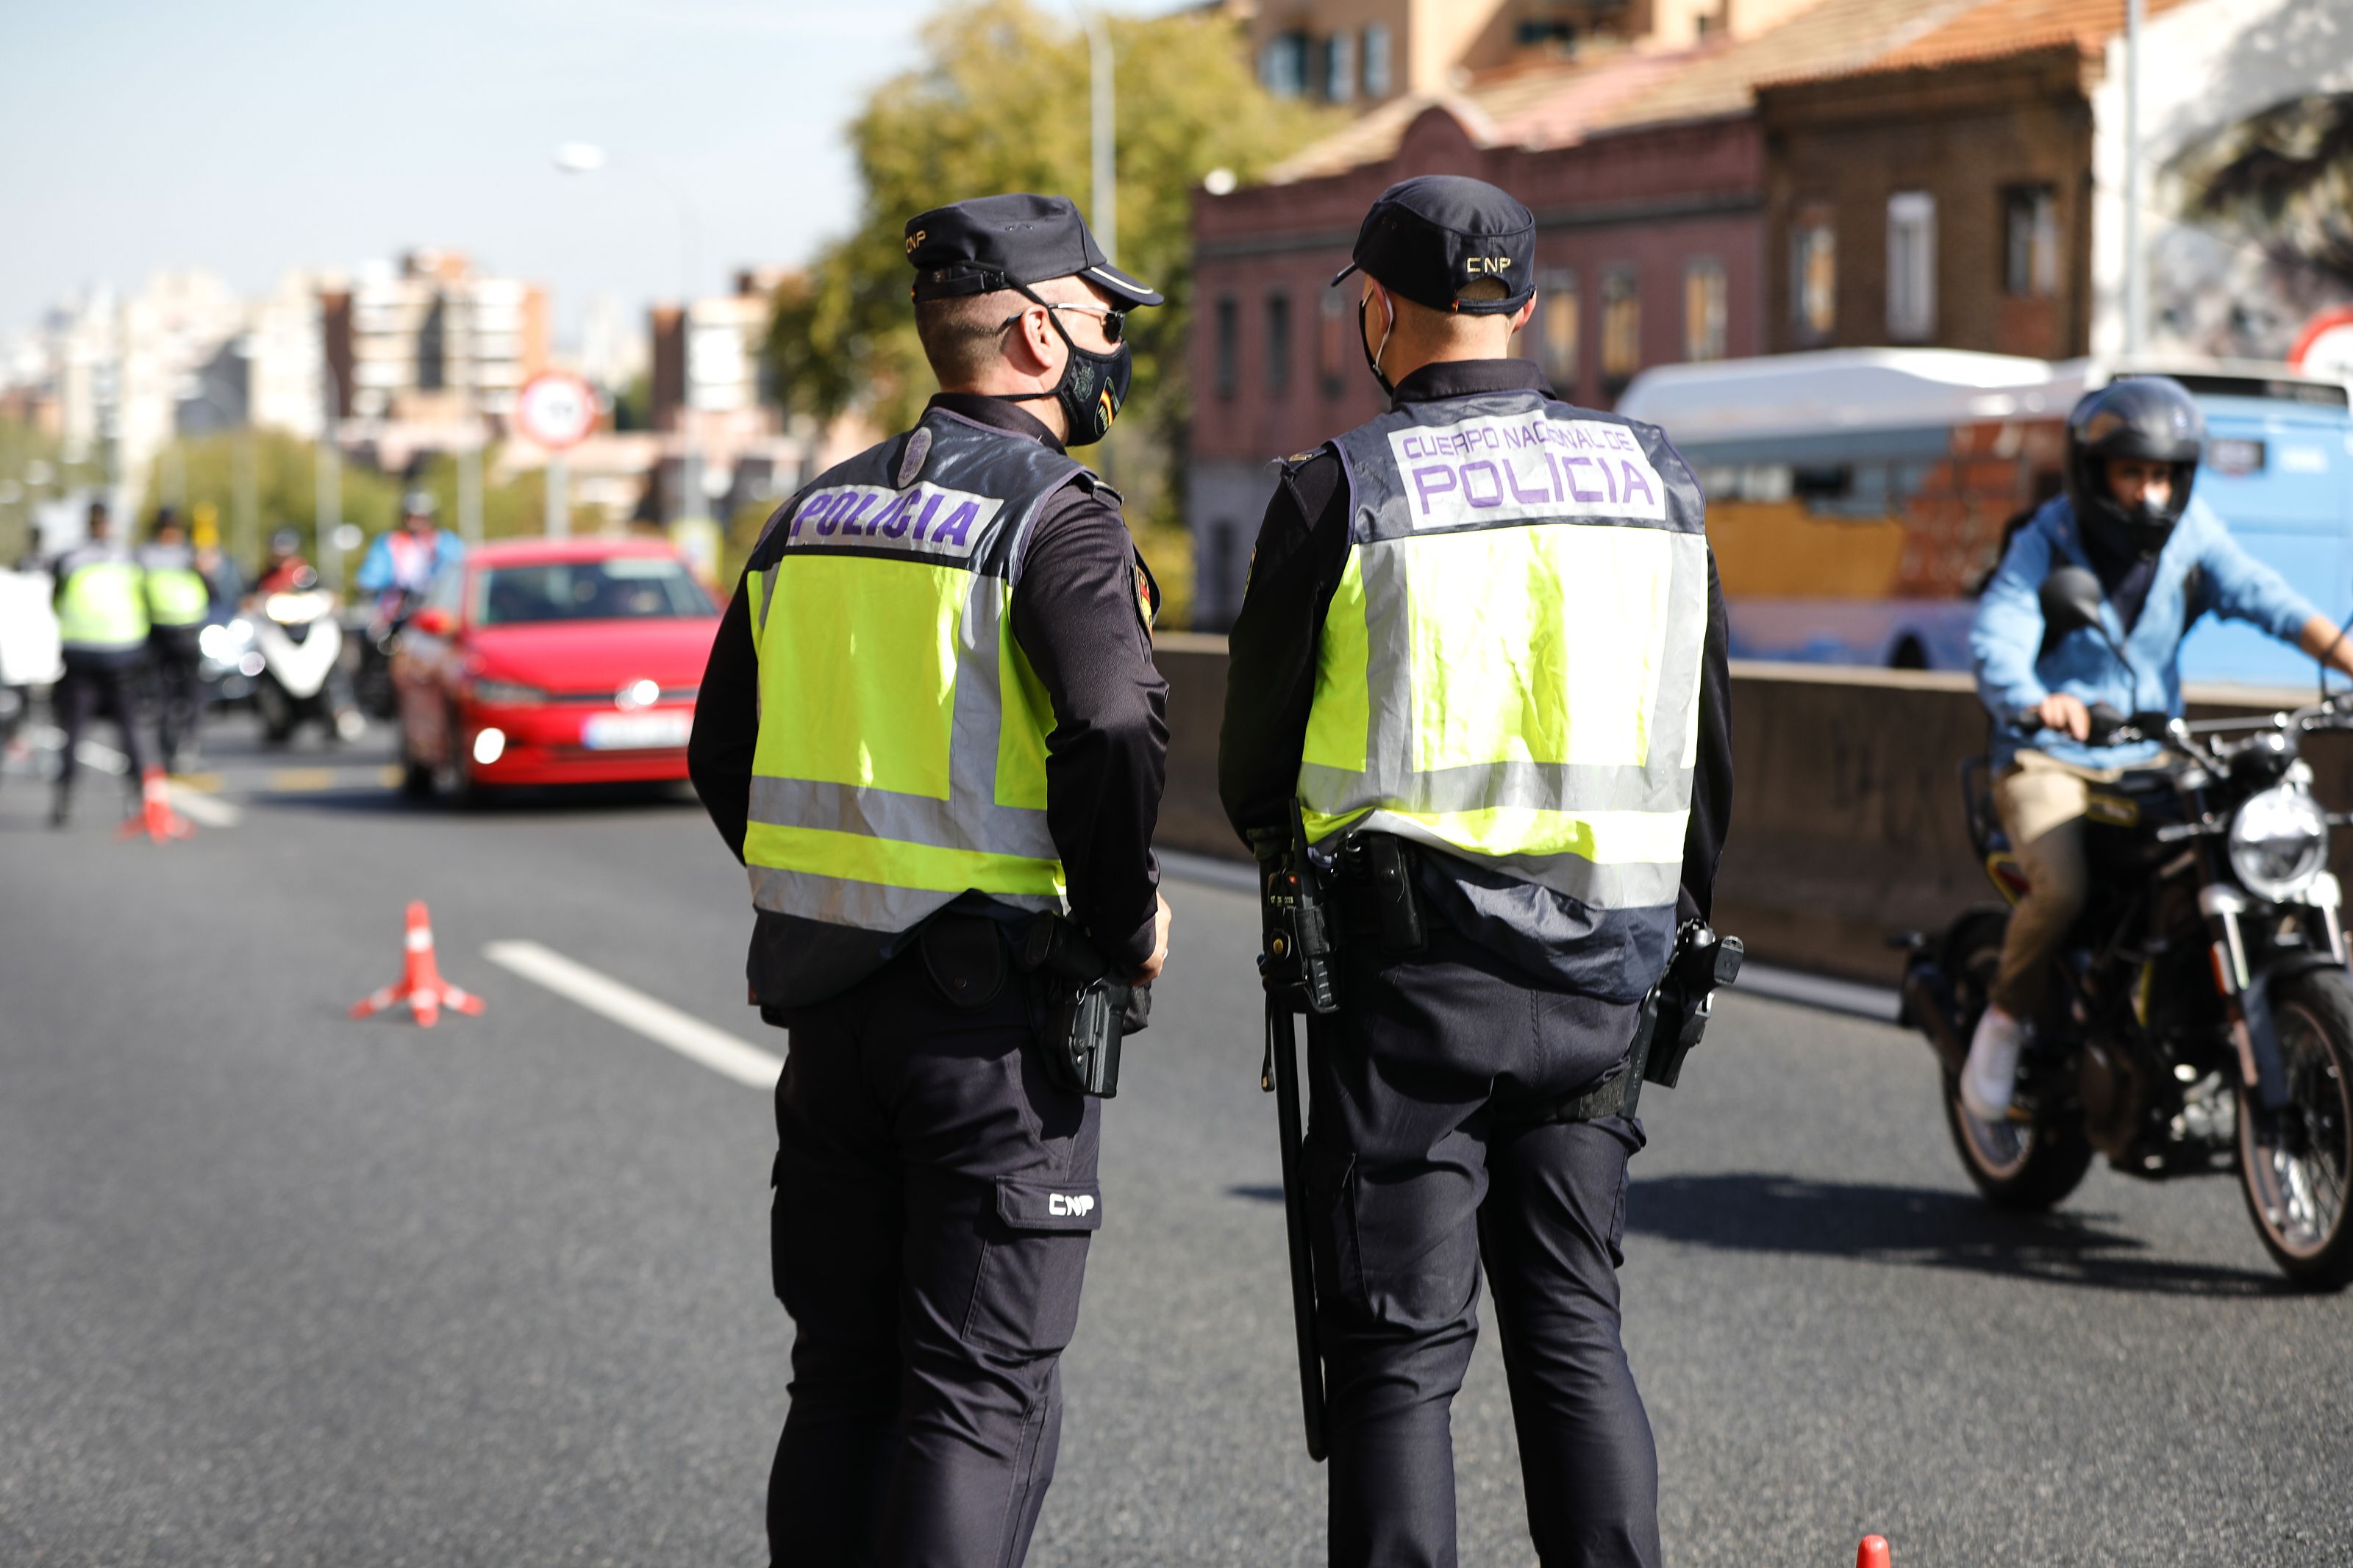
x: 1991, y: 1070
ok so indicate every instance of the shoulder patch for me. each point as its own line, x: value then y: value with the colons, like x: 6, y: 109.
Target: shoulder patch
x: 1148, y: 596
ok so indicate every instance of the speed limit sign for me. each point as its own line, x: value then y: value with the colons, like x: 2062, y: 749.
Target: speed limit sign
x: 555, y: 409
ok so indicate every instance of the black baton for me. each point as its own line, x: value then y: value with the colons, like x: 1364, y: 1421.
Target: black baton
x: 1282, y: 1049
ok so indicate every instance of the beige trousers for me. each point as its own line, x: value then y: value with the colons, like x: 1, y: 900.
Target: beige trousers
x: 2042, y: 800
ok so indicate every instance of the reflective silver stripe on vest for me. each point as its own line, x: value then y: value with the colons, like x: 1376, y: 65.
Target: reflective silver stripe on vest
x: 871, y: 906
x: 1636, y: 885
x: 1391, y: 795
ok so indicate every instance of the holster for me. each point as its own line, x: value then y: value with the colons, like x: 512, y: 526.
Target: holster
x: 1088, y: 1010
x: 1673, y: 1019
x: 1375, y: 894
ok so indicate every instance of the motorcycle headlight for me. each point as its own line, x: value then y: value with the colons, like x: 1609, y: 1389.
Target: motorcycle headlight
x: 508, y: 694
x: 2279, y: 842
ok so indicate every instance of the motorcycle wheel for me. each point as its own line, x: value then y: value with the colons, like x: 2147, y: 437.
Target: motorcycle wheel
x: 2025, y: 1166
x: 2295, y: 1168
x: 278, y: 713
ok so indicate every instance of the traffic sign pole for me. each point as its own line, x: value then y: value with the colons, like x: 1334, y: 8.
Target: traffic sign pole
x: 559, y: 500
x: 555, y: 411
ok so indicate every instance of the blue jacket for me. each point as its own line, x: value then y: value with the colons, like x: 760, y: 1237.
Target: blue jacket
x: 375, y: 574
x: 2014, y: 672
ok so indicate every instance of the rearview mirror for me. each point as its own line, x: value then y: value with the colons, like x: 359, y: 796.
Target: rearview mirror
x: 2071, y: 600
x: 436, y: 623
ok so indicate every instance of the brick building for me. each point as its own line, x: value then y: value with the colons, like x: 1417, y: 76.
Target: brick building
x: 1942, y: 194
x: 1647, y: 173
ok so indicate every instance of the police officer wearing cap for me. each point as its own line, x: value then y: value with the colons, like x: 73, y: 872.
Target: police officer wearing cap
x: 932, y: 714
x: 1481, y: 646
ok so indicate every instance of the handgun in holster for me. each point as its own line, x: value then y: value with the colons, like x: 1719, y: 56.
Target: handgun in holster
x: 1679, y: 1006
x: 1088, y: 1009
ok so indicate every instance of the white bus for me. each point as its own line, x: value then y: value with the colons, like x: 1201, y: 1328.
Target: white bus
x: 1858, y: 498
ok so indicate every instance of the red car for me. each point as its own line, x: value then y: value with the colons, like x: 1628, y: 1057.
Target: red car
x: 553, y: 661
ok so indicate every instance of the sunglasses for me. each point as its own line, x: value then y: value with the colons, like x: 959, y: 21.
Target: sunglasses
x: 1114, y: 321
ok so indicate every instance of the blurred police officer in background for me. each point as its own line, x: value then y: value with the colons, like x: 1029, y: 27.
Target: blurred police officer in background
x: 1485, y: 628
x: 179, y: 602
x: 931, y: 708
x: 103, y: 628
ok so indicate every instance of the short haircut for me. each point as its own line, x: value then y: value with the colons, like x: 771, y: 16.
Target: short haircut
x: 960, y: 336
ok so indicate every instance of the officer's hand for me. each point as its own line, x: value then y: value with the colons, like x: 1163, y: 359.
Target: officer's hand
x: 1152, y: 966
x: 2060, y: 712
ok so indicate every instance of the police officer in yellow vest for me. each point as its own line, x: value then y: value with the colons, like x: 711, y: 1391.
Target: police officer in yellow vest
x: 931, y: 715
x: 179, y: 602
x: 102, y: 625
x: 1482, y: 648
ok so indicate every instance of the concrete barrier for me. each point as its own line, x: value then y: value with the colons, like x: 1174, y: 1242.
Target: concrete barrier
x: 1847, y: 821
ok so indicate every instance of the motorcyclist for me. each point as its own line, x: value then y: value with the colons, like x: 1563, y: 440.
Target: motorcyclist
x: 285, y: 571
x: 2162, y: 559
x: 401, y: 565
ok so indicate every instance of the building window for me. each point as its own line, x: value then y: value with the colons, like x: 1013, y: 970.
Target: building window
x: 1340, y: 67
x: 2030, y: 241
x: 1278, y: 345
x: 1376, y: 61
x: 1621, y: 328
x: 1813, y: 278
x: 1227, y: 347
x: 1707, y: 306
x: 1334, y: 322
x: 1283, y: 64
x: 1555, y: 324
x: 1911, y: 267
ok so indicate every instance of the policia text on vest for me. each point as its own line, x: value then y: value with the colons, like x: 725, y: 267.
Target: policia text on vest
x: 930, y: 721
x: 1480, y: 656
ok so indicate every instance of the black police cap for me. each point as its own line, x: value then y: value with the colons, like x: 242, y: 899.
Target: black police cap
x: 994, y: 242
x: 1430, y: 237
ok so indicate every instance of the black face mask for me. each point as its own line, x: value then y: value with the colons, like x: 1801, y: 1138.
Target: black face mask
x: 1092, y: 389
x: 1373, y: 357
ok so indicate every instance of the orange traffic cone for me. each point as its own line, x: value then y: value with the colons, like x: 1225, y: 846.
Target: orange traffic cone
x: 421, y: 985
x: 156, y: 818
x: 1873, y: 1554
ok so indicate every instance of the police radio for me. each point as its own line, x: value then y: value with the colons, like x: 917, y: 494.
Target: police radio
x: 1296, y: 947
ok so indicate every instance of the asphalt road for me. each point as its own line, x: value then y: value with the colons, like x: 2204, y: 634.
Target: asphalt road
x: 279, y: 1287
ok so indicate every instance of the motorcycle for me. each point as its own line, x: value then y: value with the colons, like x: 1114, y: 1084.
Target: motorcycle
x: 299, y: 643
x: 2204, y: 1016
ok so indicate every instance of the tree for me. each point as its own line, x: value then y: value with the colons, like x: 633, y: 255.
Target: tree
x: 1000, y: 103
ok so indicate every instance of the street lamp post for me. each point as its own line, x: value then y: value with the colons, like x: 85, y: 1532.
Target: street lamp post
x: 2136, y: 270
x: 1105, y: 132
x: 330, y: 473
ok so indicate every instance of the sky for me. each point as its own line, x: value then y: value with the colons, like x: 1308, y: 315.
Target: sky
x: 245, y: 137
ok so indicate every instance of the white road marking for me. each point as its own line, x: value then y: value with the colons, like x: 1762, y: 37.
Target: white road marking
x: 1821, y: 991
x: 201, y: 808
x: 657, y: 1021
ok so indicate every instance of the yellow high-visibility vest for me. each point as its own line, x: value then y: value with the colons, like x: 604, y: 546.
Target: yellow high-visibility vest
x: 902, y: 753
x: 1510, y: 669
x: 102, y: 607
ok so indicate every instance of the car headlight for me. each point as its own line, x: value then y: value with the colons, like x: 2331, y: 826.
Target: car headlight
x: 2279, y: 841
x: 508, y: 694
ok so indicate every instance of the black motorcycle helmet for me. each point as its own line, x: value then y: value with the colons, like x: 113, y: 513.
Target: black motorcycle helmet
x: 2151, y: 417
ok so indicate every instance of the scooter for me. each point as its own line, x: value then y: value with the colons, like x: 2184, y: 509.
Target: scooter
x: 299, y: 645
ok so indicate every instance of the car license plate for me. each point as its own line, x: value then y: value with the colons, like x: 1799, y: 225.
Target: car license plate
x: 635, y: 731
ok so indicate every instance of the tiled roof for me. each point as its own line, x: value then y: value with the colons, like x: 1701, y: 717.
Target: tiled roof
x: 2004, y: 28
x: 1538, y: 105
x: 1558, y: 103
x: 1832, y: 37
